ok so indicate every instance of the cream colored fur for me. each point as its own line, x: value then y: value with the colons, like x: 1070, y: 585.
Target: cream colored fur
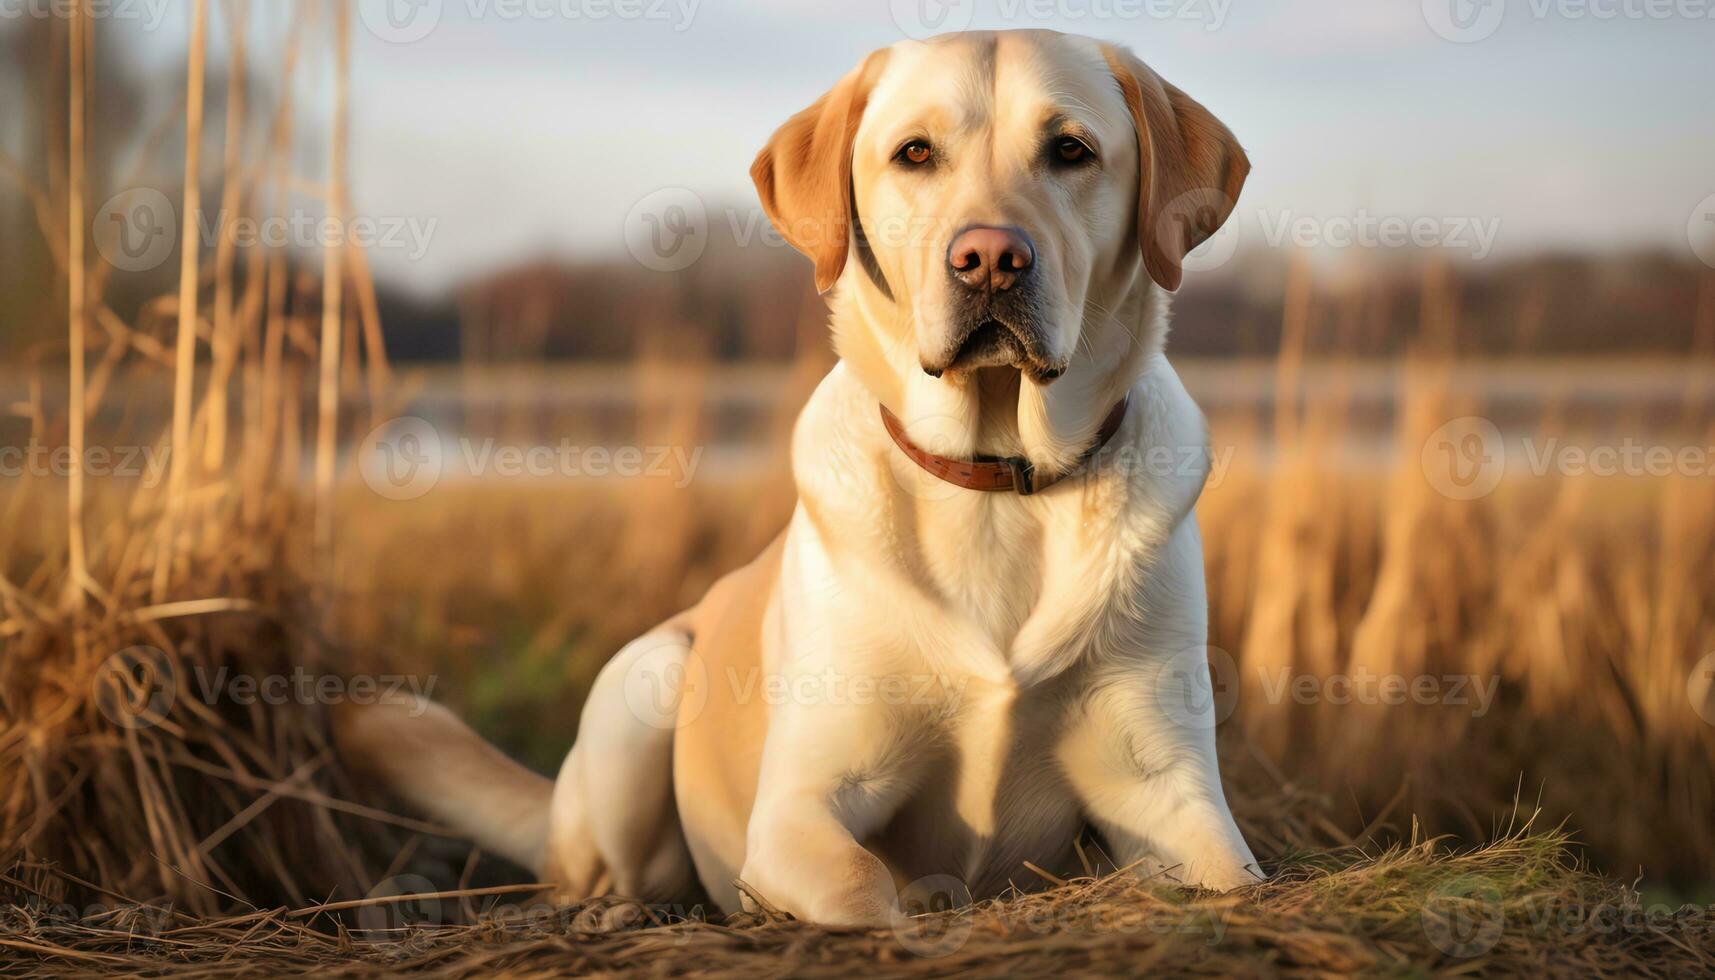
x: 916, y: 679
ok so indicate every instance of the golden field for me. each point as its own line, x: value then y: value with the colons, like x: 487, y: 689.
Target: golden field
x: 1465, y: 728
x: 1577, y: 602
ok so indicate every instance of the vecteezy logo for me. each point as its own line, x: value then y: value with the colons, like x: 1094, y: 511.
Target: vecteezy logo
x: 667, y: 230
x: 1700, y: 230
x: 666, y: 684
x: 1201, y: 208
x: 925, y: 18
x: 401, y: 459
x: 1464, y: 917
x: 1198, y: 687
x: 926, y: 922
x: 400, y: 21
x: 1464, y: 21
x: 136, y: 687
x: 398, y: 907
x: 1465, y: 458
x: 135, y: 229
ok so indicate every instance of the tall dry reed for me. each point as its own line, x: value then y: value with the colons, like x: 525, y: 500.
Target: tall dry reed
x: 123, y: 780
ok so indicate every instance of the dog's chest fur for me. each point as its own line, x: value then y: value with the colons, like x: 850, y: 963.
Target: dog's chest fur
x: 1009, y: 602
x: 988, y: 795
x: 1009, y: 589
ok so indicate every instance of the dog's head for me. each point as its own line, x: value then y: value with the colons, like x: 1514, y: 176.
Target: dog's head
x: 999, y: 195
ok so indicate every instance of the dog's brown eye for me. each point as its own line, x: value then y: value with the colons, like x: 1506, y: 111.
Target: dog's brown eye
x: 915, y: 153
x: 1070, y: 149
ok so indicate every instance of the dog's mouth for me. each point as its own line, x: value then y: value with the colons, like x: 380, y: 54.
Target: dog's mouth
x: 996, y: 343
x: 991, y: 344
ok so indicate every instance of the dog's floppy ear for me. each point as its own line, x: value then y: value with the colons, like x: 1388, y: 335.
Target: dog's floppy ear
x: 1191, y: 167
x: 804, y: 174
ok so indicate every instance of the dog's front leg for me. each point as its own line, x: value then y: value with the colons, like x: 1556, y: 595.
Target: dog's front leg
x: 819, y: 792
x: 1154, y: 791
x: 1140, y: 751
x: 802, y: 859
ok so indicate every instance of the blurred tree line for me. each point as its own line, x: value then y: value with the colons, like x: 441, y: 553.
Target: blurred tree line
x: 736, y: 302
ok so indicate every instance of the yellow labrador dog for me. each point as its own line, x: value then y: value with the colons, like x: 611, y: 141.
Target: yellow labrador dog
x: 983, y: 628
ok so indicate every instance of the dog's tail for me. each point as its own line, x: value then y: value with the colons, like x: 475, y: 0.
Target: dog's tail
x: 423, y: 754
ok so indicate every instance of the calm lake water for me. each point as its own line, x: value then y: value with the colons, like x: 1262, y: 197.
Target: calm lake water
x: 732, y: 416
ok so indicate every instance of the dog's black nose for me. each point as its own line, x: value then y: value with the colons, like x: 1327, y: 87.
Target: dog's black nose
x: 990, y: 258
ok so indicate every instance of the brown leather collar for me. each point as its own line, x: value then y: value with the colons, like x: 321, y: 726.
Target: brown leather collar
x: 994, y: 473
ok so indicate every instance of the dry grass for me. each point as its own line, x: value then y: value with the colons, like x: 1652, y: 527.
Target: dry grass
x: 204, y: 834
x: 1519, y: 905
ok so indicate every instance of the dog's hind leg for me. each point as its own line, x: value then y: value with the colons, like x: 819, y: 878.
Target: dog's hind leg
x: 613, y: 812
x: 609, y: 817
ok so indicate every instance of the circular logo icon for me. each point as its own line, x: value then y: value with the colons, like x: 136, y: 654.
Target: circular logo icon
x: 1700, y: 231
x: 1464, y: 21
x: 399, y: 21
x: 1464, y: 917
x: 921, y: 19
x: 1464, y: 459
x: 135, y: 229
x: 927, y: 921
x: 1198, y: 687
x: 666, y: 684
x: 404, y: 911
x: 1700, y: 687
x: 1200, y: 208
x: 401, y: 459
x: 136, y: 687
x: 668, y: 229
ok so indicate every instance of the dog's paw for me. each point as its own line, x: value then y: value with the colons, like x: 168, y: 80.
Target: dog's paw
x: 1230, y: 878
x: 852, y: 890
x: 1209, y: 875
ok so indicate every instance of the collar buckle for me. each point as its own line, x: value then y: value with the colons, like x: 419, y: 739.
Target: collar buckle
x: 1023, y: 475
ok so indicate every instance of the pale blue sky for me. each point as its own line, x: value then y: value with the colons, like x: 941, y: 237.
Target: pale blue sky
x: 520, y: 130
